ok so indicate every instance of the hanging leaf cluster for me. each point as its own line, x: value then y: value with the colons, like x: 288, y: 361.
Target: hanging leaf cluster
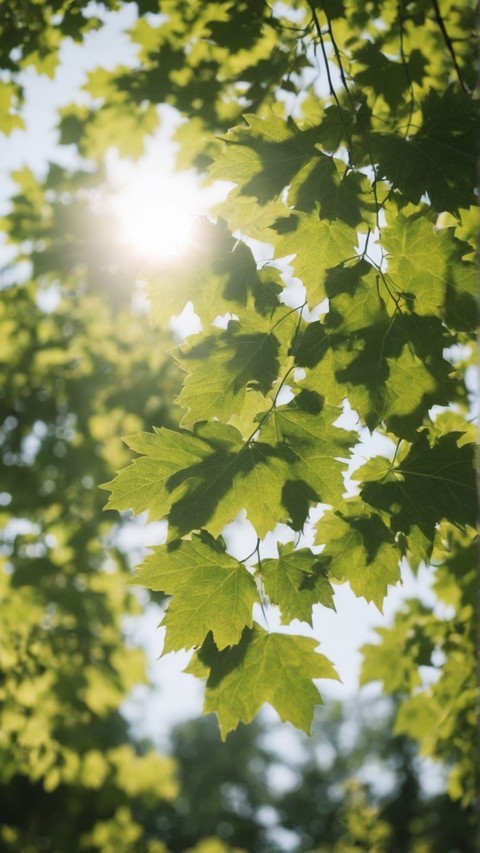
x: 354, y: 162
x: 347, y: 133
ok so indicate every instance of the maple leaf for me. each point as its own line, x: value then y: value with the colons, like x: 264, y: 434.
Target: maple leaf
x: 265, y: 155
x: 312, y: 444
x: 406, y: 373
x: 274, y: 668
x: 203, y: 486
x: 218, y: 275
x: 144, y: 484
x: 259, y: 487
x: 417, y: 262
x: 222, y: 366
x: 445, y: 469
x: 229, y: 476
x: 211, y: 592
x: 318, y: 245
x: 357, y: 299
x: 361, y: 549
x: 386, y: 77
x: 202, y: 479
x: 269, y: 154
x: 461, y: 297
x: 439, y: 159
x: 392, y: 371
x: 395, y: 662
x: 296, y: 581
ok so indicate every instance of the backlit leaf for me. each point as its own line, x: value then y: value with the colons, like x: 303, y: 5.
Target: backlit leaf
x: 223, y: 366
x: 211, y: 592
x: 296, y: 580
x: 445, y: 470
x: 317, y: 245
x: 274, y: 668
x: 144, y: 484
x: 361, y: 549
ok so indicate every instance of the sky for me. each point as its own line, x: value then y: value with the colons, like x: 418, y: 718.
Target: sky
x: 176, y: 696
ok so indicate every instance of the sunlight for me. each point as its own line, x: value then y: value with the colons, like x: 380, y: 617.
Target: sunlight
x: 157, y: 212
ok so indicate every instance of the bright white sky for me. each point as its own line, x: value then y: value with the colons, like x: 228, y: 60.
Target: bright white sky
x: 175, y: 696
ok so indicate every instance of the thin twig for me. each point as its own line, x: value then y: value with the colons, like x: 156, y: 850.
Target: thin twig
x: 405, y: 67
x: 330, y: 81
x: 365, y: 248
x: 255, y: 551
x: 449, y: 44
x: 356, y: 114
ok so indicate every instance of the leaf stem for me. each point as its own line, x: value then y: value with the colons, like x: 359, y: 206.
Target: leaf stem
x: 330, y: 81
x: 272, y: 407
x: 263, y: 598
x: 255, y: 551
x: 292, y: 311
x: 396, y: 451
x: 282, y: 383
x: 356, y: 114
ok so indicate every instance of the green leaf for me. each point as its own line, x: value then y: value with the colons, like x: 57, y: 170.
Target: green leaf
x: 296, y: 581
x: 430, y: 483
x: 393, y: 370
x: 211, y: 592
x: 317, y: 245
x: 264, y: 156
x: 403, y: 647
x: 233, y: 477
x: 143, y: 486
x: 10, y: 120
x: 223, y: 366
x: 461, y: 298
x: 358, y: 300
x: 418, y: 716
x: 111, y: 124
x: 386, y: 77
x: 259, y: 487
x: 417, y: 263
x: 408, y: 383
x: 359, y: 548
x: 377, y: 468
x: 270, y: 154
x: 218, y: 275
x: 274, y: 668
x: 245, y: 215
x: 204, y: 486
x: 440, y: 159
x: 313, y: 446
x: 202, y: 480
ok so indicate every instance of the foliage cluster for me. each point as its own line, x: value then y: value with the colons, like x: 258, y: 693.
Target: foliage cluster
x: 77, y: 366
x: 355, y: 163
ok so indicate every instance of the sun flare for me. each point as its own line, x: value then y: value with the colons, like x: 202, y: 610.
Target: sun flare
x: 157, y: 212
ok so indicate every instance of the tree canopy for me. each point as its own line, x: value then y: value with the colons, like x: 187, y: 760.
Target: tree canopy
x: 347, y: 132
x: 74, y: 374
